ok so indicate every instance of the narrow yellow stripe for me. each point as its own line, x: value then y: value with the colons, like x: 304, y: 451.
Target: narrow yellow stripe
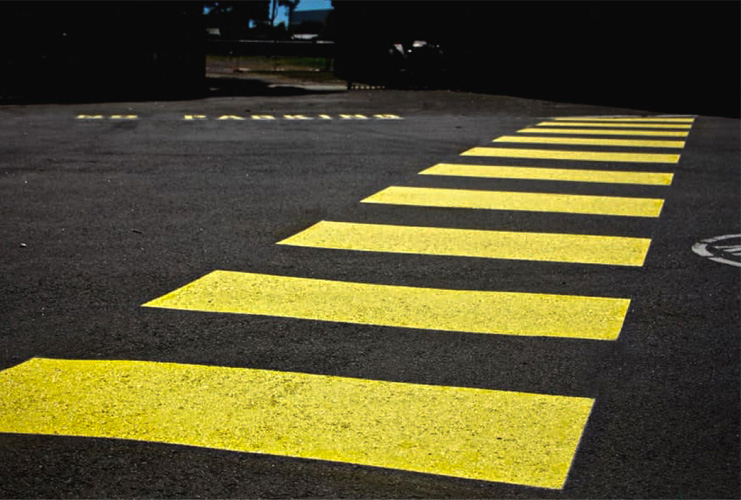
x: 586, y: 131
x: 552, y: 154
x: 485, y: 312
x: 512, y: 437
x: 585, y: 249
x: 625, y: 119
x: 615, y: 125
x: 550, y: 174
x: 586, y: 141
x: 530, y: 202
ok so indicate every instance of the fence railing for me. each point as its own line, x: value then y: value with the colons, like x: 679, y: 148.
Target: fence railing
x: 294, y: 48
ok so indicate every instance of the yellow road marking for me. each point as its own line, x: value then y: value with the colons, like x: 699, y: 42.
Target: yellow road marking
x: 625, y: 119
x: 552, y: 154
x: 531, y: 202
x: 485, y: 312
x: 614, y: 124
x: 512, y: 437
x: 585, y: 249
x: 586, y: 131
x: 550, y: 174
x: 588, y: 141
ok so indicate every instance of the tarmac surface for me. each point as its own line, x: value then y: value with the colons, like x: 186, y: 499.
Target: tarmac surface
x: 110, y: 206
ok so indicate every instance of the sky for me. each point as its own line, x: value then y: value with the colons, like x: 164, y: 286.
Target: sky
x: 314, y: 5
x: 304, y: 5
x: 282, y: 15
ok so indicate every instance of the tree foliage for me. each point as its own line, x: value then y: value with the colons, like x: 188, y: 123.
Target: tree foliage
x: 235, y: 19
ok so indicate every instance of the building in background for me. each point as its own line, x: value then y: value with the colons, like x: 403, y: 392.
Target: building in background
x: 309, y: 24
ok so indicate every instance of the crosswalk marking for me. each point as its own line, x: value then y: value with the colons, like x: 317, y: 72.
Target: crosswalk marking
x: 626, y: 119
x: 519, y: 438
x: 531, y: 202
x: 574, y: 248
x: 553, y: 154
x: 584, y: 141
x: 512, y: 437
x: 550, y: 174
x: 609, y: 124
x: 469, y: 311
x: 586, y: 131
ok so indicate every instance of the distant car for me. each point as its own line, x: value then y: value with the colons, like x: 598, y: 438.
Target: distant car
x: 402, y: 64
x: 418, y: 63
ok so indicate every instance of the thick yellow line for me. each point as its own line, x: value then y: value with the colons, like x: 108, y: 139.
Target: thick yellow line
x: 552, y: 154
x: 512, y: 437
x: 586, y: 131
x: 625, y: 119
x: 550, y: 174
x: 614, y: 124
x: 485, y: 312
x: 584, y: 249
x: 588, y: 141
x: 530, y: 202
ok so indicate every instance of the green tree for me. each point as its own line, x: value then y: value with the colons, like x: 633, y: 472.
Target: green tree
x: 234, y: 19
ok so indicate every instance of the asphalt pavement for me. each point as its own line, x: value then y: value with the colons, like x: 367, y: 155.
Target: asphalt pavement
x: 113, y: 214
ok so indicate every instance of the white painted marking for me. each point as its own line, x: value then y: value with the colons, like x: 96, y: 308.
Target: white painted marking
x: 256, y: 117
x: 701, y: 249
x: 733, y: 249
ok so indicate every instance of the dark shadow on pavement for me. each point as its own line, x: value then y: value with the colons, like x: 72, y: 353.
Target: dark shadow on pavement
x: 238, y: 87
x: 211, y: 87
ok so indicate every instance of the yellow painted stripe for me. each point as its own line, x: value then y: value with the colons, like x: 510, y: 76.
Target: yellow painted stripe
x: 512, y: 437
x: 529, y: 202
x: 485, y: 312
x: 553, y: 154
x: 586, y: 131
x: 626, y: 119
x: 585, y: 249
x: 588, y: 141
x: 615, y: 125
x: 550, y: 174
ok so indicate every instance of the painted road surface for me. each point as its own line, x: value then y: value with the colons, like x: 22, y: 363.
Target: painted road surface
x: 502, y: 200
x: 584, y: 249
x: 550, y: 174
x: 469, y: 328
x: 473, y: 311
x: 441, y: 430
